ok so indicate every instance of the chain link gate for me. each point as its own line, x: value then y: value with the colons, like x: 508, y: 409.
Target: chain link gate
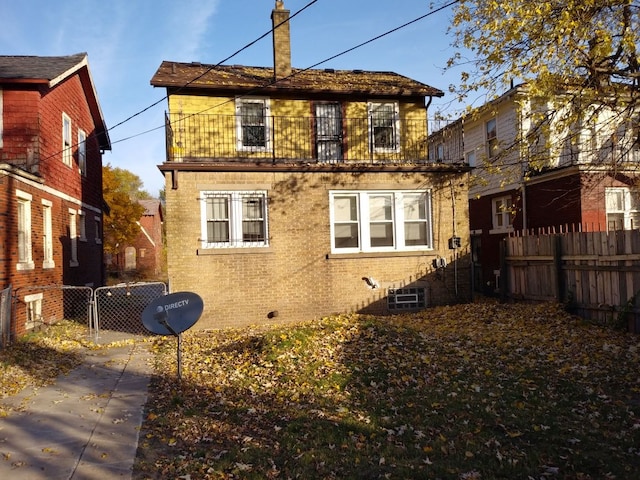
x: 119, y: 308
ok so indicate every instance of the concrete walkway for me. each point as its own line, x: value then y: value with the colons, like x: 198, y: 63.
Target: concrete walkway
x: 84, y: 426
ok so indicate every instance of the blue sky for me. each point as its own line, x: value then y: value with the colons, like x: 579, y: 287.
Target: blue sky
x: 126, y: 41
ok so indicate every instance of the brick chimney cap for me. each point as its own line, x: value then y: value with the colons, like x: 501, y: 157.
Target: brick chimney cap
x: 279, y: 4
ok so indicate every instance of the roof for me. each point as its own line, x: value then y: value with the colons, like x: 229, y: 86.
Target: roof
x: 246, y: 79
x: 38, y: 69
x: 151, y: 207
x: 50, y: 71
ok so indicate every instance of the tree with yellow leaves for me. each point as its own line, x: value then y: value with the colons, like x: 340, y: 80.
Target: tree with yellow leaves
x: 584, y: 52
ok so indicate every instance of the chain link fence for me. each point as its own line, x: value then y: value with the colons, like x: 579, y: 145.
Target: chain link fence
x: 109, y: 313
x: 5, y: 316
x: 119, y: 308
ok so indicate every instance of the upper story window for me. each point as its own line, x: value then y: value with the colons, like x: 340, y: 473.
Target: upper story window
x: 384, y: 126
x: 623, y: 208
x: 82, y: 152
x: 491, y: 135
x: 234, y: 219
x: 252, y: 124
x: 440, y: 152
x: 25, y: 255
x: 67, y: 143
x: 367, y: 221
x: 502, y: 211
x: 470, y: 157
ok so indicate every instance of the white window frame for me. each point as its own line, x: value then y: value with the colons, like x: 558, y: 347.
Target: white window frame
x: 625, y: 206
x: 501, y: 217
x: 82, y: 226
x: 366, y: 220
x: 82, y: 152
x: 372, y: 107
x: 240, y: 124
x: 33, y: 304
x: 67, y: 142
x: 25, y: 248
x: 235, y: 219
x: 47, y: 235
x: 491, y: 136
x: 73, y: 238
x: 98, y: 229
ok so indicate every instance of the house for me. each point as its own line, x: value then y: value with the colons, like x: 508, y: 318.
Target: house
x: 297, y: 193
x: 529, y: 176
x: 52, y: 136
x: 145, y: 256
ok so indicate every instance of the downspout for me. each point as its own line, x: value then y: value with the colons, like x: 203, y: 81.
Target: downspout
x: 455, y: 250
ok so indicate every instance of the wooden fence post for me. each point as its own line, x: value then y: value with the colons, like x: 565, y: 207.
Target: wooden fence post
x: 504, y: 277
x: 557, y: 262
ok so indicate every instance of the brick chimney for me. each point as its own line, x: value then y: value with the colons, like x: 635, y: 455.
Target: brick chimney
x: 281, y: 41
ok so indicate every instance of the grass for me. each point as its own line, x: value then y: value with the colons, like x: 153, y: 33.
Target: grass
x: 481, y: 391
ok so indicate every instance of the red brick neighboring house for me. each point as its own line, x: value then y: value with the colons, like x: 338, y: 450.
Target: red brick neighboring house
x: 52, y: 136
x: 146, y: 255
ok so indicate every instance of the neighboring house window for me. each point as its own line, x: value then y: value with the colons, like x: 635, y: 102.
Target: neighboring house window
x: 73, y: 237
x: 66, y: 140
x: 471, y: 158
x: 252, y: 124
x: 365, y: 221
x: 82, y: 152
x: 491, y: 133
x: 82, y: 223
x: 440, y: 152
x: 234, y: 219
x: 623, y: 208
x: 98, y: 230
x: 502, y: 214
x: 33, y: 305
x: 25, y: 255
x: 47, y: 235
x: 384, y: 126
x: 1, y: 122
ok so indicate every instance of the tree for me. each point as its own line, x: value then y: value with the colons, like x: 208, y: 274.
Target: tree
x: 578, y: 59
x: 121, y: 192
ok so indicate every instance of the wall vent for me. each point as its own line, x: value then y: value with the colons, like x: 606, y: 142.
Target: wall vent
x: 399, y: 299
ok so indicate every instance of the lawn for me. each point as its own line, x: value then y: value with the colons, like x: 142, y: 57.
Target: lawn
x: 479, y: 391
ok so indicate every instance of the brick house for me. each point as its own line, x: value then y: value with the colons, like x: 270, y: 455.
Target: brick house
x: 52, y: 135
x: 297, y: 193
x: 145, y: 256
x: 584, y: 179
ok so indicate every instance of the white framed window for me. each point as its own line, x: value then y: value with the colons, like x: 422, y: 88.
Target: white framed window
x: 623, y: 208
x: 67, y: 143
x: 25, y: 253
x: 82, y: 226
x: 33, y: 304
x: 73, y: 238
x: 502, y: 214
x: 491, y: 137
x: 98, y: 230
x: 370, y: 221
x: 47, y: 235
x: 234, y: 219
x: 384, y: 126
x: 471, y: 158
x: 82, y: 152
x: 252, y: 124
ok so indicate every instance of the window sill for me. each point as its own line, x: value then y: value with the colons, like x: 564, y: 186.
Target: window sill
x: 49, y: 264
x: 74, y: 264
x: 500, y: 231
x: 234, y: 251
x: 25, y: 266
x: 408, y: 253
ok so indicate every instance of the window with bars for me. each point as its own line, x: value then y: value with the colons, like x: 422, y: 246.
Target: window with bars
x: 252, y: 124
x: 384, y: 126
x: 234, y: 219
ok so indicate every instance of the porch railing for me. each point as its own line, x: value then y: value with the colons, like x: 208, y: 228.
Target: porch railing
x: 204, y: 137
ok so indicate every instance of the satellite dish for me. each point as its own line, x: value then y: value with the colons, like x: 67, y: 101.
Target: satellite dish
x: 172, y: 314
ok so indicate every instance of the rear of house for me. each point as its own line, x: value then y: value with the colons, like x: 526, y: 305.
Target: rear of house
x: 52, y: 136
x: 293, y: 194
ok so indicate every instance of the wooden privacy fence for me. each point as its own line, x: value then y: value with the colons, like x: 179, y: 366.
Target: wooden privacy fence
x: 596, y: 274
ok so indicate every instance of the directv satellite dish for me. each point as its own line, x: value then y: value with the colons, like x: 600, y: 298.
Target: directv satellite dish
x: 172, y: 314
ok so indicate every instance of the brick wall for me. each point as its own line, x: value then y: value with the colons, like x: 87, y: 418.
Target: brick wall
x: 297, y: 276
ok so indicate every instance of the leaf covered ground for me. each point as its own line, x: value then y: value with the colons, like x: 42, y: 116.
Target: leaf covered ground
x: 478, y: 391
